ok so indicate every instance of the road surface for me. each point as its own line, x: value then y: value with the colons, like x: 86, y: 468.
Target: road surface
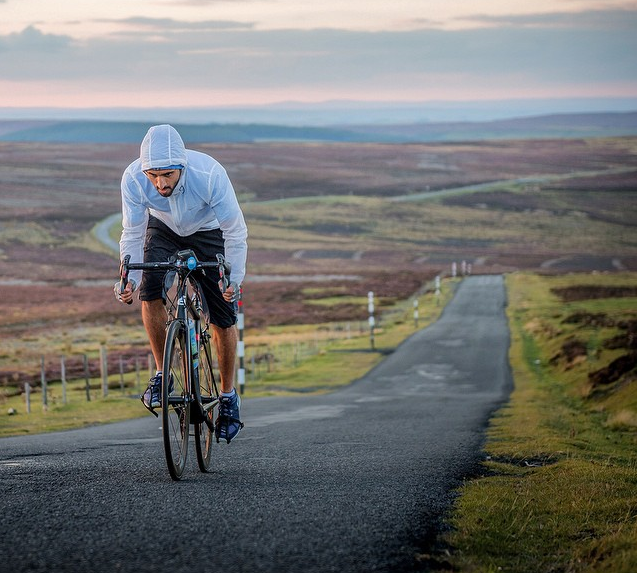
x: 355, y: 481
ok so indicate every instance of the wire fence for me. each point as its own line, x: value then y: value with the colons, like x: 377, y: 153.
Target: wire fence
x: 95, y: 375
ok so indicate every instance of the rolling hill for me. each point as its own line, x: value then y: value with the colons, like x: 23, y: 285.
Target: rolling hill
x: 555, y: 126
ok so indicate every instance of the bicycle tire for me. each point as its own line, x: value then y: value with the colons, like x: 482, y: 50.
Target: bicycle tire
x: 209, y: 395
x: 176, y: 404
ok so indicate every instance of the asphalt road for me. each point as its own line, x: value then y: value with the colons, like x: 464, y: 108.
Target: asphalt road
x: 355, y: 481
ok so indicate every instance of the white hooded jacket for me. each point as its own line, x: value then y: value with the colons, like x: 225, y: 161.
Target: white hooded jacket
x: 203, y: 199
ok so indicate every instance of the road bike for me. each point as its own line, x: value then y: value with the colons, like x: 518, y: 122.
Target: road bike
x: 189, y: 396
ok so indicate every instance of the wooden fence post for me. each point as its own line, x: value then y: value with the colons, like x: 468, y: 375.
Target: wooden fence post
x: 63, y: 377
x: 151, y: 372
x: 104, y: 370
x: 27, y: 392
x: 138, y: 375
x: 45, y: 398
x: 87, y: 379
x: 121, y: 374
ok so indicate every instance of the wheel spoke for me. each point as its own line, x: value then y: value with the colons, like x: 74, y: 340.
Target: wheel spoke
x: 204, y: 436
x: 175, y: 400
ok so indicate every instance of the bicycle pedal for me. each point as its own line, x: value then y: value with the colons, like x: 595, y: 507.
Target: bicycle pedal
x: 150, y: 409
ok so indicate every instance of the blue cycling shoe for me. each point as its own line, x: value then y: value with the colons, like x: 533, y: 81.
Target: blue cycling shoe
x: 151, y: 398
x: 228, y: 423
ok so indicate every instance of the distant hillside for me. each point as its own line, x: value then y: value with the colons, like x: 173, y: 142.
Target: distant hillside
x: 554, y: 126
x: 132, y: 132
x: 547, y: 126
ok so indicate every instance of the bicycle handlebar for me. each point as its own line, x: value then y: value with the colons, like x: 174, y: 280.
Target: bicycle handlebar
x: 184, y: 262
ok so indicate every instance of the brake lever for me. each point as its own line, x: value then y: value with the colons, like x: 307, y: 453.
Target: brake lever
x: 123, y: 275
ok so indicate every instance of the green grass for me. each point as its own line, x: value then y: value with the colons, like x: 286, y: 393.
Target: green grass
x: 559, y: 491
x: 559, y: 487
x: 77, y: 412
x: 337, y: 361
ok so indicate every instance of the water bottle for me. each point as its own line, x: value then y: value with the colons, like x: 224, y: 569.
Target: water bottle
x: 194, y: 347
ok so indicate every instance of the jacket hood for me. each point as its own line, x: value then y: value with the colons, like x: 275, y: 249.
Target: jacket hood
x: 162, y: 148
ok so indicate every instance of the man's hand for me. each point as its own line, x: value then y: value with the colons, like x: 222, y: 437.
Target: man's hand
x: 232, y: 292
x: 125, y: 297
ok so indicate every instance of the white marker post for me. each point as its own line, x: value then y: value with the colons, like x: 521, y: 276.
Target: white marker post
x: 437, y: 290
x: 241, y: 348
x: 416, y: 313
x: 372, y: 322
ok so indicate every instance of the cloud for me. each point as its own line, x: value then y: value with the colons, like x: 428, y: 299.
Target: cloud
x: 521, y: 53
x: 621, y: 19
x: 31, y: 39
x: 200, y: 2
x: 171, y: 25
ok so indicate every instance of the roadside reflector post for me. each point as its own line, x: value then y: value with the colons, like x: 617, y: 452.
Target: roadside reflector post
x: 372, y: 322
x: 241, y: 349
x: 437, y: 290
x: 416, y: 313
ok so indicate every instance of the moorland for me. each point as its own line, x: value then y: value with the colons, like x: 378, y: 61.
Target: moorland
x: 328, y: 223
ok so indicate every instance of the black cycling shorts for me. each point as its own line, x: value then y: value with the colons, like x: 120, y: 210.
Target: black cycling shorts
x: 162, y: 243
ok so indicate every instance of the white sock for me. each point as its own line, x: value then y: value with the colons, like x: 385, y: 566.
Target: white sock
x: 229, y: 394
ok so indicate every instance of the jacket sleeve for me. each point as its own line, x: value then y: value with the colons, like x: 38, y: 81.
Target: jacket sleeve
x: 134, y: 223
x: 231, y: 223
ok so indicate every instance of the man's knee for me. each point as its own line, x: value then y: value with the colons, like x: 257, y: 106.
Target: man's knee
x: 151, y: 309
x: 225, y: 333
x: 155, y: 303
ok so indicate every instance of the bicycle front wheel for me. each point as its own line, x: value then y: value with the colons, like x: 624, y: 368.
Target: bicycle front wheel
x: 209, y: 396
x: 175, y: 399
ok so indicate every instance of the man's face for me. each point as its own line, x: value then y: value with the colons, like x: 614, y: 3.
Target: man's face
x: 164, y: 180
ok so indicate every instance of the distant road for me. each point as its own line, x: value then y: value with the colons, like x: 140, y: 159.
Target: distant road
x: 506, y: 183
x: 103, y: 231
x: 354, y: 481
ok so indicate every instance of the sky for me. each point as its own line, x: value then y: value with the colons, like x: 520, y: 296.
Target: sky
x: 200, y: 53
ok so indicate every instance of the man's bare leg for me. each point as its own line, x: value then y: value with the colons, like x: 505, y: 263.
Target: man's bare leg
x: 225, y: 340
x: 154, y: 319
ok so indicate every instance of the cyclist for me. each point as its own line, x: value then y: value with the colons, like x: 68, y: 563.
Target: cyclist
x: 175, y: 198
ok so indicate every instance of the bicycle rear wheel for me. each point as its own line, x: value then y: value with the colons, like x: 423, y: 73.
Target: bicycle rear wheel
x: 209, y: 394
x: 175, y: 399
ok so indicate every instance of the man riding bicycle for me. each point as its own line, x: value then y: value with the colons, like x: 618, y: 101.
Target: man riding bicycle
x: 175, y: 198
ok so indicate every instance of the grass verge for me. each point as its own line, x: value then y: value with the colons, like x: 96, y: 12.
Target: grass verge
x: 559, y: 490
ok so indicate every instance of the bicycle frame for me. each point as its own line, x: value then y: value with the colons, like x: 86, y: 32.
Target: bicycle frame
x: 182, y: 307
x: 189, y: 390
